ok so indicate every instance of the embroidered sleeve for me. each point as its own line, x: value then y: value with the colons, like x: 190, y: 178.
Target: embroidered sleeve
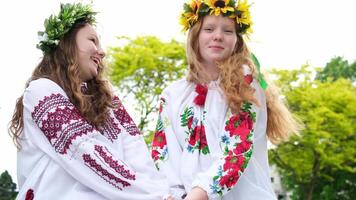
x: 124, y: 118
x: 166, y: 151
x: 80, y: 149
x: 237, y: 146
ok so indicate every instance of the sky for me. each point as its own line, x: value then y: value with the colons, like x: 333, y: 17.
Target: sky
x: 287, y: 34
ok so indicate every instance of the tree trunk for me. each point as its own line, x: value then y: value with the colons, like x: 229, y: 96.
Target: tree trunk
x: 314, y: 177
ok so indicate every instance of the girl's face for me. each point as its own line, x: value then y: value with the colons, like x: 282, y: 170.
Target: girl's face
x: 90, y: 53
x: 217, y: 38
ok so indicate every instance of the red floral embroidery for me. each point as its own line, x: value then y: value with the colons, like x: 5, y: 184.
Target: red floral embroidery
x: 159, y: 150
x: 103, y: 173
x: 238, y: 149
x: 202, y: 91
x: 248, y: 78
x: 124, y: 118
x: 240, y: 125
x: 29, y: 195
x: 190, y: 122
x: 159, y: 139
x: 155, y: 154
x: 61, y: 126
x: 242, y: 147
x: 230, y: 179
x: 203, y: 141
x: 162, y: 103
x: 233, y: 161
x: 196, y: 135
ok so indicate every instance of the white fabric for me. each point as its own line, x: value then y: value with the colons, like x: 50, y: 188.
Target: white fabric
x: 81, y: 162
x: 185, y: 169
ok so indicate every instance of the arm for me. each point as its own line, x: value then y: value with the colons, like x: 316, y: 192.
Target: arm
x: 237, y: 142
x: 78, y: 147
x: 136, y: 153
x: 166, y: 151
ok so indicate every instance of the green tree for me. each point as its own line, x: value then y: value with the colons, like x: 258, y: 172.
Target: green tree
x: 7, y: 187
x: 338, y: 68
x: 141, y: 68
x: 320, y: 163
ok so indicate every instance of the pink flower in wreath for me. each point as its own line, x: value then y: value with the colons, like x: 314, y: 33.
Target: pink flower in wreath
x: 159, y: 139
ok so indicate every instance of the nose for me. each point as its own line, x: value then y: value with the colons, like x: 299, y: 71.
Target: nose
x: 218, y: 36
x: 101, y: 52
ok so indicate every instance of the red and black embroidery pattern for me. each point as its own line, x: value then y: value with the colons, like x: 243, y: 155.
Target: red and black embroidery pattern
x: 110, y: 129
x: 60, y: 121
x: 104, y: 153
x: 103, y: 173
x: 124, y: 118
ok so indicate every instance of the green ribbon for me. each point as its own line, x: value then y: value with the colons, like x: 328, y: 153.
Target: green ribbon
x: 262, y: 81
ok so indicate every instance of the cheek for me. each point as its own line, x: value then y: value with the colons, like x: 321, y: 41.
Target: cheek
x: 232, y: 43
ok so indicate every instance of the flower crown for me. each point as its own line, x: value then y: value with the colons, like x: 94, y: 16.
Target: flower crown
x: 228, y: 8
x: 57, y: 26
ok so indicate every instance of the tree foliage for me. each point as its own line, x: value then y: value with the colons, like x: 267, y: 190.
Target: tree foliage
x: 7, y: 187
x: 338, y: 68
x: 141, y: 68
x: 320, y: 162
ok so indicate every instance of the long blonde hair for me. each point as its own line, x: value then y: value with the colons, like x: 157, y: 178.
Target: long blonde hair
x: 280, y: 124
x: 61, y: 66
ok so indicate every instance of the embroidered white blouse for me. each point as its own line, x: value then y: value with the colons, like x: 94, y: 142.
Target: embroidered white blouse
x: 64, y: 157
x: 199, y: 142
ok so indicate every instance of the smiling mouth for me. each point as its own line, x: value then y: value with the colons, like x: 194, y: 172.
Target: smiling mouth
x: 96, y: 61
x: 216, y: 47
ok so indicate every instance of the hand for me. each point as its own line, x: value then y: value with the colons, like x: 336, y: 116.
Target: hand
x: 197, y: 193
x: 169, y: 198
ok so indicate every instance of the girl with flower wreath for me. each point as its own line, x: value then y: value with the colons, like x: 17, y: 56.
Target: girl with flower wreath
x: 213, y: 126
x: 75, y: 138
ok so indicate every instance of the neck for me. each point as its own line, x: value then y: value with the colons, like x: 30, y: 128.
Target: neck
x: 212, y: 71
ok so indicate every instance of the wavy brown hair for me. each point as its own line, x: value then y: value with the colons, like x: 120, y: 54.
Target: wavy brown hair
x: 280, y: 123
x: 61, y: 66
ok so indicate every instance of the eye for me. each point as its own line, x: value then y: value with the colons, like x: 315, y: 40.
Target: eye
x: 93, y: 40
x: 208, y: 29
x: 228, y: 31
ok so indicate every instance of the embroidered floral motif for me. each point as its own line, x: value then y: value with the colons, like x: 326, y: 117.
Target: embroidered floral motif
x: 110, y: 129
x: 202, y: 91
x: 124, y: 118
x: 29, y: 195
x: 238, y: 142
x: 159, y: 143
x: 248, y: 78
x: 60, y: 121
x: 103, y: 173
x: 107, y: 156
x: 196, y: 133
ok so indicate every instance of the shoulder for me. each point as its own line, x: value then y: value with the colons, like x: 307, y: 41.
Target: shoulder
x: 43, y: 84
x: 40, y: 89
x: 177, y: 88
